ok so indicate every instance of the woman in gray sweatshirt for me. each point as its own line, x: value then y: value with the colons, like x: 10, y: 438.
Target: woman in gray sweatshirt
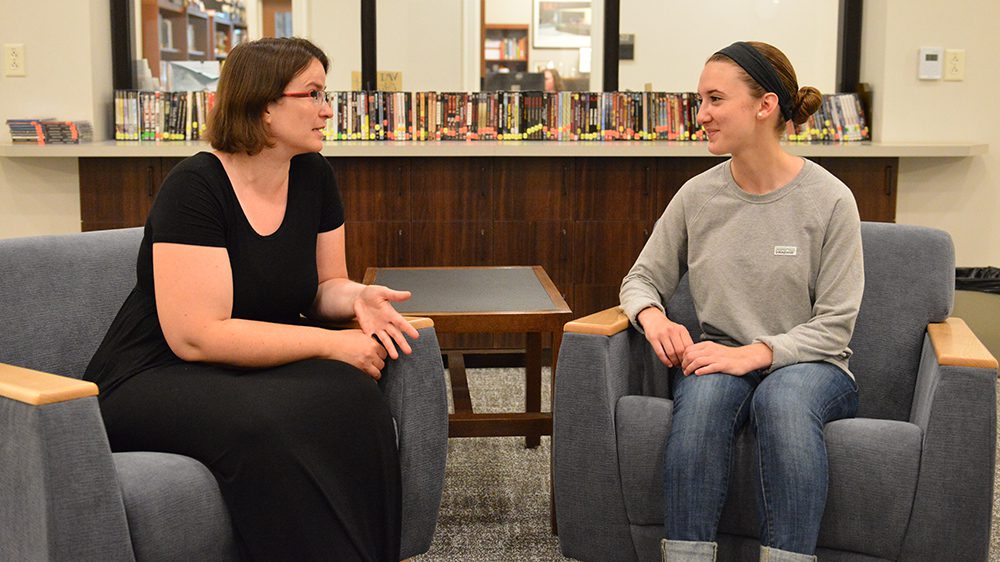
x: 771, y: 244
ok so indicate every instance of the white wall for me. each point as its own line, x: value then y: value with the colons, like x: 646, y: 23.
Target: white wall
x: 959, y: 195
x: 335, y: 27
x: 68, y: 59
x: 672, y: 44
x: 424, y: 40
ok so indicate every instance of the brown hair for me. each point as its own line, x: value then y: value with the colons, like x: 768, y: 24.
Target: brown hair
x: 557, y: 81
x: 254, y: 75
x: 805, y: 100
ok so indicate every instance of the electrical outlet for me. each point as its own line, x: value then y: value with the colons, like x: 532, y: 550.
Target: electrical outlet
x: 13, y: 60
x: 954, y: 64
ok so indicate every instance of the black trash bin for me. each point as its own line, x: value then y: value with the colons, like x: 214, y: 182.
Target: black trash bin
x: 977, y: 301
x: 982, y: 279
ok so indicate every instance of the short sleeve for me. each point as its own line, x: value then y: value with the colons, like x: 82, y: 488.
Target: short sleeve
x: 333, y: 207
x: 187, y: 210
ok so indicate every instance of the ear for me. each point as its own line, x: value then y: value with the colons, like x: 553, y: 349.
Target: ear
x: 768, y: 105
x: 267, y: 116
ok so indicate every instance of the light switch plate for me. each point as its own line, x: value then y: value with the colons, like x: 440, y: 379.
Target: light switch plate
x: 929, y: 66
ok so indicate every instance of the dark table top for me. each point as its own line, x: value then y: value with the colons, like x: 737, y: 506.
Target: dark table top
x: 472, y: 289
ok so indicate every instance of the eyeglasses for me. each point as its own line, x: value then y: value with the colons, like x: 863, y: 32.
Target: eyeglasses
x: 319, y: 97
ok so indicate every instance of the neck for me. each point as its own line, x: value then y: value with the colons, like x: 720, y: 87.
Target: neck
x: 764, y: 167
x: 264, y: 172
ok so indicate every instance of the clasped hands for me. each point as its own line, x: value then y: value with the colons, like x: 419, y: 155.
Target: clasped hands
x: 674, y: 347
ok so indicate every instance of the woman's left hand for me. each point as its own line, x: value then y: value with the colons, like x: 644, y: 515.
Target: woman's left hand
x: 707, y: 357
x: 378, y: 318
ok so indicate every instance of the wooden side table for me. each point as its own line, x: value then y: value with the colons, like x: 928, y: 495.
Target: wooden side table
x: 487, y: 299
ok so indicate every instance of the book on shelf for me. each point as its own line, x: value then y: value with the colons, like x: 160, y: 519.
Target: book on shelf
x: 49, y: 131
x: 493, y: 115
x: 840, y: 118
x: 158, y: 116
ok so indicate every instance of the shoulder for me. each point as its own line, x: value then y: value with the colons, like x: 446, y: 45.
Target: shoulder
x: 828, y: 196
x: 822, y: 184
x: 201, y: 171
x: 197, y: 180
x: 704, y: 187
x: 203, y: 164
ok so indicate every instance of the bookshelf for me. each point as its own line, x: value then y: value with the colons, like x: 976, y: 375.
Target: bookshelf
x: 505, y: 46
x: 182, y: 30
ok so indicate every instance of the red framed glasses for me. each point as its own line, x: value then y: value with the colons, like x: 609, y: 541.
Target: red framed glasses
x: 319, y: 97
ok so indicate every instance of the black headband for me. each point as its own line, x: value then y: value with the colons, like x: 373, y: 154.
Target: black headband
x: 761, y: 70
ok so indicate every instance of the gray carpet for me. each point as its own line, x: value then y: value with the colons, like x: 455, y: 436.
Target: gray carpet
x: 496, y: 499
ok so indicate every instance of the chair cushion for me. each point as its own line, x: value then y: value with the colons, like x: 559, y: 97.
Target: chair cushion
x: 174, y: 508
x: 873, y: 473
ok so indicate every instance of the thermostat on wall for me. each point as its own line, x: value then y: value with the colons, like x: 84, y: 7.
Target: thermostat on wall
x: 931, y: 63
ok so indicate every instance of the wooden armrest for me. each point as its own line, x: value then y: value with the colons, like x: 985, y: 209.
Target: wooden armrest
x: 607, y: 322
x: 38, y: 388
x: 956, y: 345
x: 418, y: 322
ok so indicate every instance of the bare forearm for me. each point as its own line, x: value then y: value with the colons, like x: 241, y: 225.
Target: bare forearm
x: 249, y: 343
x: 335, y: 300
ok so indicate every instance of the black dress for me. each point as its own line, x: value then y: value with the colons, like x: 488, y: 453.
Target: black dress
x: 305, y: 453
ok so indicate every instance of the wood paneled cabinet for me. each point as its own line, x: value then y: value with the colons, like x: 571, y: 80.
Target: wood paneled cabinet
x: 584, y: 219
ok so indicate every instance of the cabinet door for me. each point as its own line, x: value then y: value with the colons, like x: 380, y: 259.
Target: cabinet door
x: 375, y: 193
x: 532, y: 189
x: 604, y: 251
x: 451, y: 189
x: 117, y: 192
x: 373, y: 189
x: 873, y: 182
x: 374, y: 244
x: 613, y: 189
x: 453, y: 243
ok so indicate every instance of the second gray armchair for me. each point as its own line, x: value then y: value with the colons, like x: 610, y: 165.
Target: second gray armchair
x: 911, y: 478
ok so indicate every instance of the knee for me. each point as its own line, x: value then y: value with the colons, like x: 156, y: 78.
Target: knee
x: 783, y: 416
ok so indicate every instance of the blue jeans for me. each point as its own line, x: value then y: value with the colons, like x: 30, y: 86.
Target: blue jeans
x: 787, y: 410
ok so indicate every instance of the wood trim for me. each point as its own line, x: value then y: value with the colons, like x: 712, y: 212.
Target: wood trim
x: 957, y: 346
x: 419, y: 322
x: 550, y: 289
x: 38, y: 388
x: 607, y: 322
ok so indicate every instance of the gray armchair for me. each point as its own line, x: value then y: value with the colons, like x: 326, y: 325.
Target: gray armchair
x: 911, y: 478
x: 65, y: 496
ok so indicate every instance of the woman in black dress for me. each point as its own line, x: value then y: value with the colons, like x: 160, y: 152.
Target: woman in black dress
x: 209, y: 356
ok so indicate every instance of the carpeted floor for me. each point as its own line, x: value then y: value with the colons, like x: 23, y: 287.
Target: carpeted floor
x: 496, y: 495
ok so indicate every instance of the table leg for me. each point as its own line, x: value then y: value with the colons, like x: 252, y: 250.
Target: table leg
x: 459, y: 382
x: 533, y: 381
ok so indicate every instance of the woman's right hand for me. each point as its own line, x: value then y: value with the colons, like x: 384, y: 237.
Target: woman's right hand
x: 358, y: 350
x: 669, y: 339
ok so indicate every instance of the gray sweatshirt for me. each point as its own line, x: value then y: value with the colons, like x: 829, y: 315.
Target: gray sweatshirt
x: 784, y: 268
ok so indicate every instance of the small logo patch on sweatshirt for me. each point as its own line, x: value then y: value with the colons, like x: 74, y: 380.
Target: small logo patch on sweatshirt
x: 786, y: 250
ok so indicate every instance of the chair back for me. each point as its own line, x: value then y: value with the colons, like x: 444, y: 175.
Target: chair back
x: 60, y: 293
x: 909, y: 282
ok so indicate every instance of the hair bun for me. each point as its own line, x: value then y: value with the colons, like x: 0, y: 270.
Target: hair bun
x: 807, y: 101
